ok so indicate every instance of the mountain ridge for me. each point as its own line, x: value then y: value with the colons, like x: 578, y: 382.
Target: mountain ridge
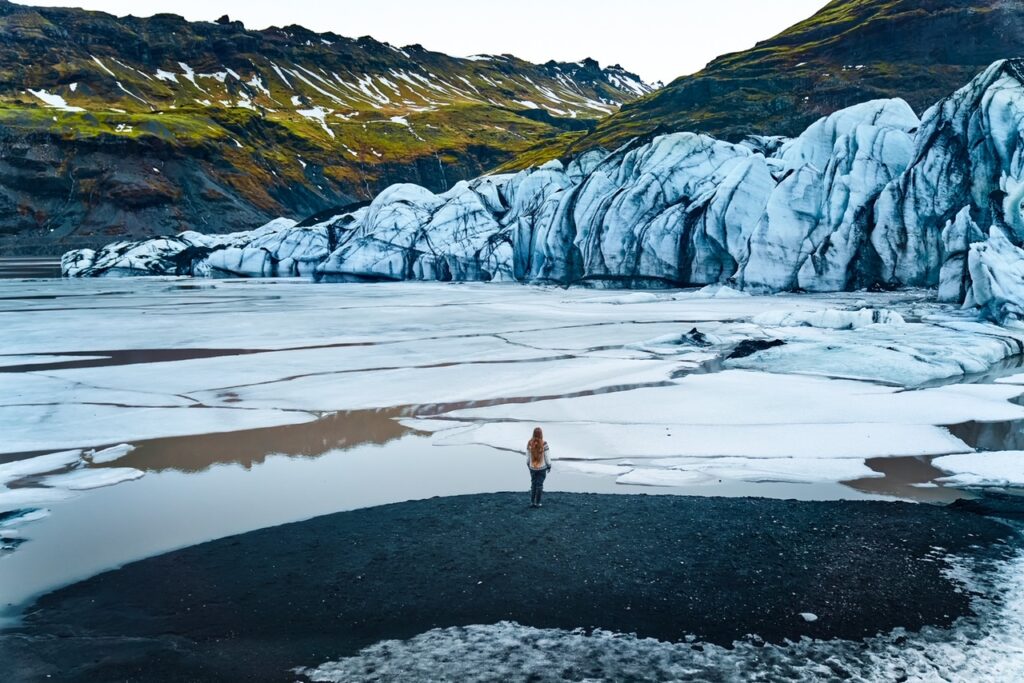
x: 134, y: 126
x: 848, y: 52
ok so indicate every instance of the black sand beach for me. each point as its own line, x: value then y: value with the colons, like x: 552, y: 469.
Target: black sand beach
x: 254, y: 606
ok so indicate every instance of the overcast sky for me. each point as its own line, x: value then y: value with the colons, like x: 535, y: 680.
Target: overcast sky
x: 659, y: 39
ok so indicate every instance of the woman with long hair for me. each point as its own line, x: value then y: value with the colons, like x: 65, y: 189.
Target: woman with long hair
x: 539, y: 463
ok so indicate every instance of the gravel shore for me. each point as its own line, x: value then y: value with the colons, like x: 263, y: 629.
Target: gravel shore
x: 252, y: 607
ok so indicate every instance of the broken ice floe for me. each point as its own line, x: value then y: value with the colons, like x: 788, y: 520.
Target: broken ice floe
x: 740, y: 426
x: 108, y: 455
x: 83, y: 480
x: 992, y: 469
x: 54, y: 477
x: 477, y: 355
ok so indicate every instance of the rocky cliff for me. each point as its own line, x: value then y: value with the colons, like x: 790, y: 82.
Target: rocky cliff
x: 132, y: 127
x: 870, y: 196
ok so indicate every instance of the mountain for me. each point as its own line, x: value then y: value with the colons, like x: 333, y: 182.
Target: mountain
x: 849, y: 52
x: 130, y: 127
x: 869, y: 196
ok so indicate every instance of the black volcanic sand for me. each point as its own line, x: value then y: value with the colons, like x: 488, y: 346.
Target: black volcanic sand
x: 253, y: 606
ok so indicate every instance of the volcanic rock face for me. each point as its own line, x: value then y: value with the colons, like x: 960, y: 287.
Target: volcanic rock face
x: 870, y: 195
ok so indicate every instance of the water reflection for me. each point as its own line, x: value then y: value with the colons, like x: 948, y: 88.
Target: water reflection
x: 909, y: 478
x: 1007, y: 435
x: 915, y: 478
x: 336, y: 431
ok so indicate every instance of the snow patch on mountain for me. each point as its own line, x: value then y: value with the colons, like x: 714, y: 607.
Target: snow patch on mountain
x: 54, y: 101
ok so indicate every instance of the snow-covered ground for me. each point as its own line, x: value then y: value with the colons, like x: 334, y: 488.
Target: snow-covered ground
x: 671, y: 391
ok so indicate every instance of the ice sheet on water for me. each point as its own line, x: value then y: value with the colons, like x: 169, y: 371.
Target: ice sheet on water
x: 401, y: 344
x: 999, y: 469
x: 80, y: 386
x: 645, y: 476
x: 433, y: 426
x: 67, y: 471
x: 33, y: 427
x: 454, y: 383
x: 41, y: 464
x: 92, y: 478
x: 108, y: 455
x: 792, y: 470
x: 904, y: 354
x: 631, y: 298
x: 24, y: 517
x: 739, y: 397
x: 831, y: 318
x: 594, y: 468
x: 740, y: 425
x: 1012, y: 379
x: 601, y: 440
x: 984, y: 647
x: 12, y: 499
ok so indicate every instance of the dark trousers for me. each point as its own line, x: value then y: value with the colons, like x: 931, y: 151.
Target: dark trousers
x: 537, y: 485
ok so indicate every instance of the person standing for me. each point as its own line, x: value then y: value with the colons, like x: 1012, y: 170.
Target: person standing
x: 539, y: 463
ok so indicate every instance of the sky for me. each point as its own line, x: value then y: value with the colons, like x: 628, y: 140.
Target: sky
x: 658, y: 39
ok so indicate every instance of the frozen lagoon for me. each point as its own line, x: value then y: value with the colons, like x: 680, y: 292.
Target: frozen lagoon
x: 256, y: 402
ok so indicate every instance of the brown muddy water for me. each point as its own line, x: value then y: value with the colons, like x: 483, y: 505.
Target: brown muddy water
x: 909, y: 478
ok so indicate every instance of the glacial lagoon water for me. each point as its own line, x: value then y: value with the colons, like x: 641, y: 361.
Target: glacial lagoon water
x: 255, y: 403
x: 29, y: 267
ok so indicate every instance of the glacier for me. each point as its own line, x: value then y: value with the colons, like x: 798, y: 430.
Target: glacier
x: 869, y: 197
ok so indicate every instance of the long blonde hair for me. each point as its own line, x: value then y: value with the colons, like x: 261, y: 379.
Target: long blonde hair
x: 536, y: 448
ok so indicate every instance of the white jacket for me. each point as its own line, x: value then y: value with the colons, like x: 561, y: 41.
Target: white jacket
x: 547, y: 460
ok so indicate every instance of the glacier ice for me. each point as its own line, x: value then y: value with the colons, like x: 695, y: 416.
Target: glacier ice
x: 868, y: 196
x: 996, y: 270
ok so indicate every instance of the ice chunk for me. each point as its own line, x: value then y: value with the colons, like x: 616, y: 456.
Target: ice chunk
x: 634, y: 298
x: 831, y: 318
x: 736, y: 397
x: 801, y: 470
x: 25, y: 517
x: 1000, y: 468
x: 40, y: 464
x: 593, y: 440
x: 644, y: 476
x: 92, y: 478
x: 108, y: 455
x: 997, y: 278
x: 594, y: 468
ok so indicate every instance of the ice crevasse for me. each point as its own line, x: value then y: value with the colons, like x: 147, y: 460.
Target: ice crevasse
x: 871, y: 195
